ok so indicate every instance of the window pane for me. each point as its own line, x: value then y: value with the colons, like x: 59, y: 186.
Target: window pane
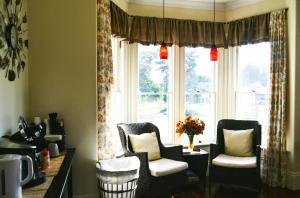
x: 154, y: 90
x: 199, y: 89
x: 252, y: 89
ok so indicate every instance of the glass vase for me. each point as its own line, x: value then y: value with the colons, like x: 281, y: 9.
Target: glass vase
x: 191, y: 140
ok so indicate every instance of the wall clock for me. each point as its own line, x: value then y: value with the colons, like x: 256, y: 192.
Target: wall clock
x: 12, y: 38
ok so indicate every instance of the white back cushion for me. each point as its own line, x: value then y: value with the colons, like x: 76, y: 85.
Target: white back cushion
x: 146, y: 142
x: 238, y: 142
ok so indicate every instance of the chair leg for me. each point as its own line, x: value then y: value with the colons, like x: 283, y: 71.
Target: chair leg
x: 259, y: 188
x: 209, y: 186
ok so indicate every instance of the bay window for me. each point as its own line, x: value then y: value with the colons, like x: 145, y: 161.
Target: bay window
x: 188, y: 83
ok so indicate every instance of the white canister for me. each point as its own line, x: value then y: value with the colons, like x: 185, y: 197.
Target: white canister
x: 53, y: 148
x: 37, y: 120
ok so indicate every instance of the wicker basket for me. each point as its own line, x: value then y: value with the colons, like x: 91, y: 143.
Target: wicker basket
x: 118, y: 177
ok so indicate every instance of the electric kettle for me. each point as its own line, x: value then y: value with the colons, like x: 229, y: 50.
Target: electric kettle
x: 10, y: 175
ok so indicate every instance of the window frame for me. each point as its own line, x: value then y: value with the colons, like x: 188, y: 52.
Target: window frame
x: 214, y: 92
x: 170, y: 94
x: 237, y: 90
x: 177, y: 98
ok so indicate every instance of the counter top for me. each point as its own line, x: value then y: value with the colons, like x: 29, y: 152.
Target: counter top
x: 57, y: 176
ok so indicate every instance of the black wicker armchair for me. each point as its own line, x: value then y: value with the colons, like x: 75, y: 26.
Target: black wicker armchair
x: 241, y: 176
x: 148, y: 185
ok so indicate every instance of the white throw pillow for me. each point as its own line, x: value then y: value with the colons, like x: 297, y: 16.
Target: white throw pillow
x: 238, y: 142
x: 146, y: 142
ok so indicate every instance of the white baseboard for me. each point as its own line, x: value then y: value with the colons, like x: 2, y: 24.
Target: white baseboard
x: 87, y: 196
x: 293, y: 180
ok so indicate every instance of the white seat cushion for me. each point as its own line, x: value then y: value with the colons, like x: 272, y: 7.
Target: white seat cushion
x: 165, y: 166
x: 234, y: 162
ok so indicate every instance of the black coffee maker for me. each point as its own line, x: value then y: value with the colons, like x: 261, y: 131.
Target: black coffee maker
x: 29, y: 140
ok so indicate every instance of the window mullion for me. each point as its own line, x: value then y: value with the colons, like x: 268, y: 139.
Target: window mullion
x: 181, y: 82
x: 131, y: 82
x: 232, y: 76
x: 220, y: 87
x: 175, y: 76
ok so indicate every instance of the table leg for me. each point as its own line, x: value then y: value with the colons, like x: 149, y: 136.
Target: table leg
x: 70, y: 190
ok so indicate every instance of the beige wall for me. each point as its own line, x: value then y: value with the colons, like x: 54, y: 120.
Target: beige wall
x: 292, y: 76
x: 198, y: 14
x: 122, y: 4
x: 13, y: 98
x: 62, y: 77
x: 179, y: 13
x: 13, y: 102
x: 297, y: 93
x: 255, y: 9
x: 294, y: 83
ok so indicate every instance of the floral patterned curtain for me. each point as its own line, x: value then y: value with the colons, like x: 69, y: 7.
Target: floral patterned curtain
x: 104, y: 79
x: 275, y: 157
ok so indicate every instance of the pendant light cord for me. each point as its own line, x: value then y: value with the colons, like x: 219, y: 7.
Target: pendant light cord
x: 163, y: 21
x: 214, y: 40
x: 214, y: 10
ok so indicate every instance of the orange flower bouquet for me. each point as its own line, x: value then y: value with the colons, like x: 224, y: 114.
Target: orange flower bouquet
x: 191, y: 127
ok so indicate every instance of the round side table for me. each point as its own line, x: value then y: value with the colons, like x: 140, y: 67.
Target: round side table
x: 198, y: 162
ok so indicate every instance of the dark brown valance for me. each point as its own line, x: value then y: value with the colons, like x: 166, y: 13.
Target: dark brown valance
x: 149, y: 30
x: 190, y: 33
x: 119, y: 21
x: 249, y: 30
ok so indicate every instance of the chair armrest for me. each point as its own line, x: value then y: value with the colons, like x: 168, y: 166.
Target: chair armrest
x: 143, y: 157
x: 172, y: 152
x: 258, y: 156
x: 145, y: 175
x: 214, y: 152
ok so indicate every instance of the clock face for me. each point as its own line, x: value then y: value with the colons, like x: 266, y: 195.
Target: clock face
x: 12, y: 38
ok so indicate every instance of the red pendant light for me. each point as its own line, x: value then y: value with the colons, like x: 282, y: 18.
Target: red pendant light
x: 163, y: 52
x: 213, y: 53
x: 213, y: 49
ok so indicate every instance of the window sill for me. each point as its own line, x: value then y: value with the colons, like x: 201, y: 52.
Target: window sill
x: 202, y: 144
